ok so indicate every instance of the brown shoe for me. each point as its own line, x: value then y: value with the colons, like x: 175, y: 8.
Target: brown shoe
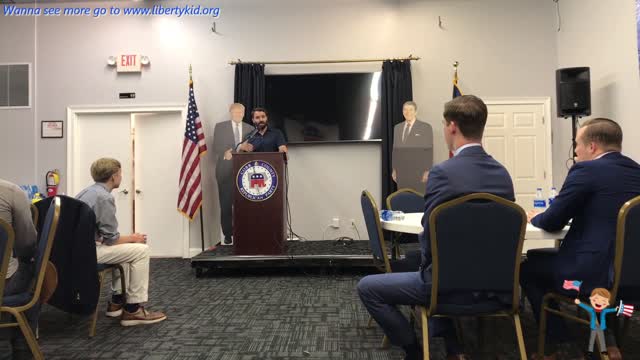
x: 114, y: 310
x: 141, y: 317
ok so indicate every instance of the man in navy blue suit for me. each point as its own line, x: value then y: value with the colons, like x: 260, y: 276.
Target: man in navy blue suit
x: 471, y: 170
x: 595, y: 189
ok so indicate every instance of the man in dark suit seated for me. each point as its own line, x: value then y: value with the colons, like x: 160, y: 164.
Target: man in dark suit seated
x: 471, y: 170
x: 595, y: 189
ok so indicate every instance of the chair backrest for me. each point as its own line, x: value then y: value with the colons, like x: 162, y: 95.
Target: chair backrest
x: 34, y: 214
x: 476, y: 245
x: 406, y: 200
x: 45, y: 242
x: 374, y: 229
x: 7, y: 237
x: 627, y: 247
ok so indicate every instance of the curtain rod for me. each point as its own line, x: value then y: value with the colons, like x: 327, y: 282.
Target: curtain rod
x: 234, y: 62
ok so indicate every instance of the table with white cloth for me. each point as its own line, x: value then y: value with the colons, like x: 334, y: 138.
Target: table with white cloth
x: 411, y: 224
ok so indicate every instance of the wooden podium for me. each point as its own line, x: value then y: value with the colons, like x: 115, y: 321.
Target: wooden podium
x: 259, y: 219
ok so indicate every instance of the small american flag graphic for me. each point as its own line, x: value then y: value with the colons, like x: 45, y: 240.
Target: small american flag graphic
x: 572, y: 285
x: 193, y: 147
x: 626, y: 310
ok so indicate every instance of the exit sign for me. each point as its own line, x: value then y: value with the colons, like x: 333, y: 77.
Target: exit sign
x: 128, y: 63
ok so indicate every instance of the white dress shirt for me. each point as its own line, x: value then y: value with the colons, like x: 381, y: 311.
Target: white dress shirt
x: 455, y: 153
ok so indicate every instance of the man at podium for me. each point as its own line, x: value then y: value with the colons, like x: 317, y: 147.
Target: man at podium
x: 263, y: 138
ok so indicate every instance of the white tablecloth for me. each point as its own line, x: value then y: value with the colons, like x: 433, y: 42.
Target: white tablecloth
x: 411, y: 224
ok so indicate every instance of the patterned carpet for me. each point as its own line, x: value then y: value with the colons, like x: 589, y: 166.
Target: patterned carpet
x: 259, y: 316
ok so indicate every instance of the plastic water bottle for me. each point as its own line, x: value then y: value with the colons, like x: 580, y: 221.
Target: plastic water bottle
x: 552, y: 195
x: 398, y: 215
x: 539, y: 202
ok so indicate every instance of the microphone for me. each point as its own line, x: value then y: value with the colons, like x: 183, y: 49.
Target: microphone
x: 249, y: 136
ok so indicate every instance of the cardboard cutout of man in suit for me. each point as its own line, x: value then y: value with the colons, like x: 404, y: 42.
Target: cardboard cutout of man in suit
x: 412, y: 150
x: 226, y: 136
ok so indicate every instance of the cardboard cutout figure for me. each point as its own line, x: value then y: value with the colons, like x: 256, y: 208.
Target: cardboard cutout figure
x: 600, y: 300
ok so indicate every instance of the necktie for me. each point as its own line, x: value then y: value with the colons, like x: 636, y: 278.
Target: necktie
x: 236, y: 133
x: 405, y: 133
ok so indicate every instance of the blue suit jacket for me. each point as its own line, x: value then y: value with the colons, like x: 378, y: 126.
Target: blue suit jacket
x: 593, y: 316
x: 591, y: 195
x: 471, y: 171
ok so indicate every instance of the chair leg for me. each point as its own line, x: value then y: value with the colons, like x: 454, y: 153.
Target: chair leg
x: 385, y: 342
x: 94, y: 319
x: 425, y: 333
x: 542, y: 328
x: 518, y: 325
x: 370, y: 323
x: 28, y: 335
x: 123, y: 285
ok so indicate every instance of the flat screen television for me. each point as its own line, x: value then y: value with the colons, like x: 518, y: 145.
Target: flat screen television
x: 325, y: 107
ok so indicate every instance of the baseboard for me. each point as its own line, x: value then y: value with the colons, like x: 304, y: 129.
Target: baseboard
x: 194, y: 251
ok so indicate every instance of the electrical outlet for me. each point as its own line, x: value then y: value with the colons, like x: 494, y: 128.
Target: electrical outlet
x: 335, y: 222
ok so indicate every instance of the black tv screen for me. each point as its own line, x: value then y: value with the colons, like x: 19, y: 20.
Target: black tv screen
x: 325, y: 107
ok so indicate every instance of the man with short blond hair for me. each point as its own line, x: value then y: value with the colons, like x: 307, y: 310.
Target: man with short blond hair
x: 130, y: 251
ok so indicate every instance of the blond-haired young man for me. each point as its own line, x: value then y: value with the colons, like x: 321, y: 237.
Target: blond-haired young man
x: 130, y: 251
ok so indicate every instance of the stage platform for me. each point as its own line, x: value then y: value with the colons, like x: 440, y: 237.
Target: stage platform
x: 344, y: 254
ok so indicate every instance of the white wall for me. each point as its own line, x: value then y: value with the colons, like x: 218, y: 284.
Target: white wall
x: 507, y: 48
x: 18, y: 135
x: 602, y: 35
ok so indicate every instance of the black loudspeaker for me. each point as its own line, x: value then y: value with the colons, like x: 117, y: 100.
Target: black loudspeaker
x: 573, y: 91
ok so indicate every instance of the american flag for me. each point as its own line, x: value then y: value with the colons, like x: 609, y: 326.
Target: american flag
x: 190, y: 197
x: 572, y: 285
x: 626, y: 310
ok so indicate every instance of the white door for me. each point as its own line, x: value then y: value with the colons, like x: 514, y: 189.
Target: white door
x: 104, y: 135
x: 158, y: 149
x: 516, y: 135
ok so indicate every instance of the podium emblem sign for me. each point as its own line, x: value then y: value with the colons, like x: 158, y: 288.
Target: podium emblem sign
x: 257, y: 180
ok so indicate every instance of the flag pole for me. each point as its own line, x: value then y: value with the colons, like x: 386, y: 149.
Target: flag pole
x: 201, y: 205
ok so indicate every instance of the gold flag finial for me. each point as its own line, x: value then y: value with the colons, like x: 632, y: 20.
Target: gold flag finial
x: 455, y: 75
x: 190, y: 73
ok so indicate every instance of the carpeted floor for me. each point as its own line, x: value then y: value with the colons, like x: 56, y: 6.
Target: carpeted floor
x: 258, y: 316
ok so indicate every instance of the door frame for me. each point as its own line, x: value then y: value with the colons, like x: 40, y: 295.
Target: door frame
x: 545, y: 101
x: 73, y: 113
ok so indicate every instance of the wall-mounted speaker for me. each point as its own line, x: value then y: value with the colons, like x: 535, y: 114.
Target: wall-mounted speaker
x: 573, y: 91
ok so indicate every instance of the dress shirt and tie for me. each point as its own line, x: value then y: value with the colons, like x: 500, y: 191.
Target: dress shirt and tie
x: 227, y: 135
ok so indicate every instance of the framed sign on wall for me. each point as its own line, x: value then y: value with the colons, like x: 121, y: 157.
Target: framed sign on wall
x: 51, y: 129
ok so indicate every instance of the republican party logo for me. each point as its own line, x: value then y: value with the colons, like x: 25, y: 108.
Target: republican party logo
x: 257, y: 180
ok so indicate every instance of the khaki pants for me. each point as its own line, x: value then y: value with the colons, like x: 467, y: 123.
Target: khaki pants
x: 134, y: 259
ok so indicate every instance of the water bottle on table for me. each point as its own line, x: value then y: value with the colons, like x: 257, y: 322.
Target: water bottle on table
x: 552, y: 195
x: 539, y: 202
x: 398, y: 215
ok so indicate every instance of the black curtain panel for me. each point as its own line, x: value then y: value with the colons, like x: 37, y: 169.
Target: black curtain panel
x: 249, y: 87
x: 396, y: 89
